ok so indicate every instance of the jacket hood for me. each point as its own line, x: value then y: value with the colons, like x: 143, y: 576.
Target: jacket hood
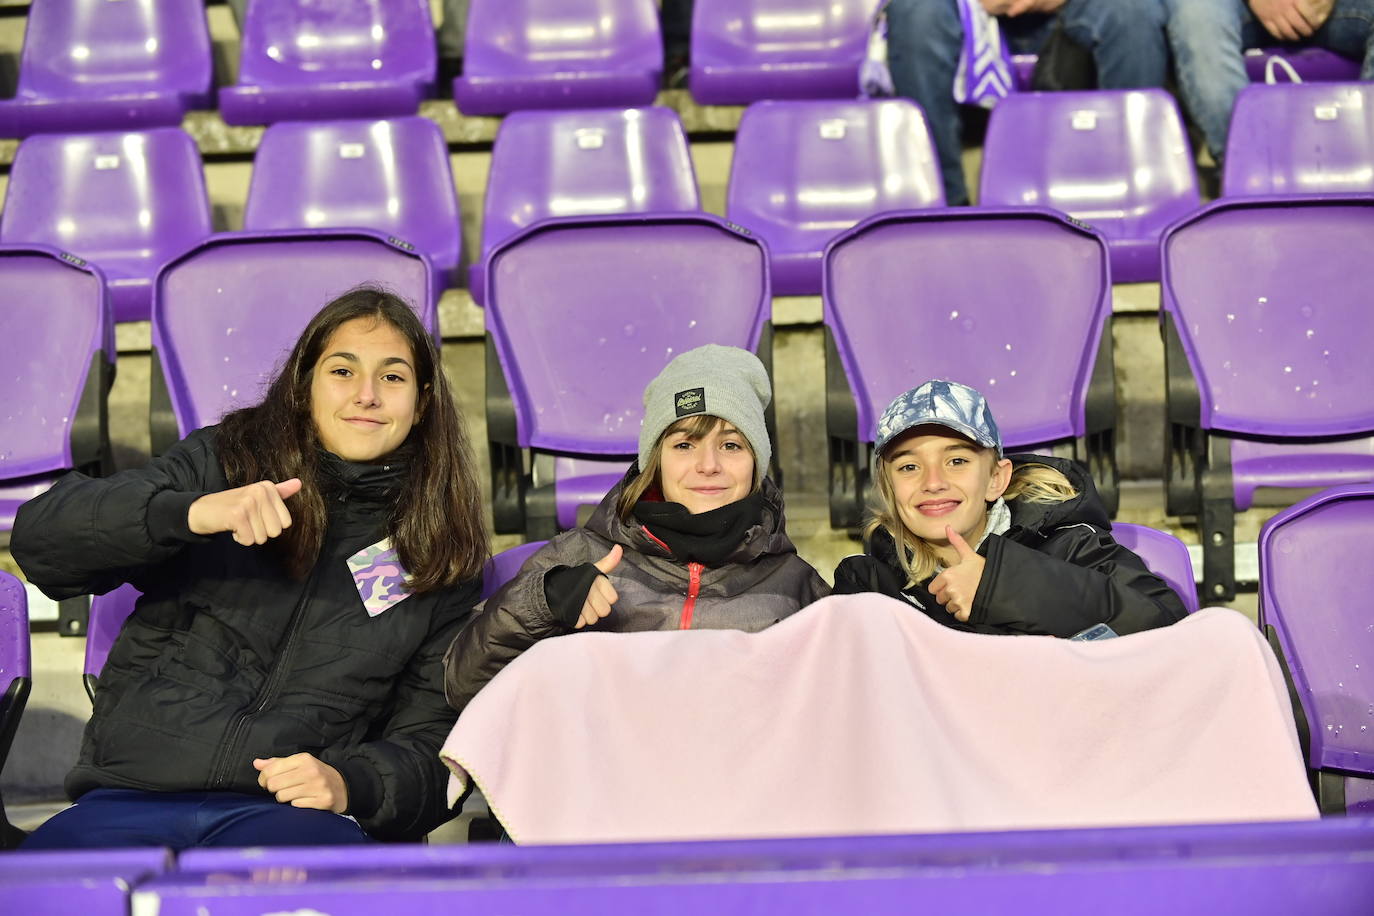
x: 769, y: 536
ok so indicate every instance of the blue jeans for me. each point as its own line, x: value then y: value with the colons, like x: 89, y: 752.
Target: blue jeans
x: 1209, y: 38
x: 105, y: 818
x: 924, y: 38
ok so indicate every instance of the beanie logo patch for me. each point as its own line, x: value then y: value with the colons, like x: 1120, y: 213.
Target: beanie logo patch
x: 691, y: 401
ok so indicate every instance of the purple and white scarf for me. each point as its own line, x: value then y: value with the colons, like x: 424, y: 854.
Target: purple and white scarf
x: 985, y: 75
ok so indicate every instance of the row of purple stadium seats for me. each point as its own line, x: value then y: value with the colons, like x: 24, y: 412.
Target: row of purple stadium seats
x: 91, y: 64
x: 802, y: 172
x: 1019, y: 299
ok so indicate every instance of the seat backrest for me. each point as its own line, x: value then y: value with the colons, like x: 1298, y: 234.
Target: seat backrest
x: 129, y: 201
x: 584, y: 312
x: 575, y: 38
x: 16, y: 669
x: 56, y: 348
x: 1116, y: 159
x: 747, y: 50
x: 1270, y: 297
x: 1315, y: 583
x: 502, y: 567
x: 391, y: 175
x: 1310, y: 64
x: 151, y: 55
x: 1301, y: 138
x: 1011, y: 302
x: 1165, y: 555
x: 584, y: 162
x: 803, y: 171
x: 306, y: 44
x: 226, y: 314
x: 107, y: 615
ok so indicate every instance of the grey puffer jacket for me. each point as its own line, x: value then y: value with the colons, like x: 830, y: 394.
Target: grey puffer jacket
x: 761, y: 582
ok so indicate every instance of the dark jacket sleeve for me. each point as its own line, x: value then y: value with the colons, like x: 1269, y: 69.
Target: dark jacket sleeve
x: 514, y: 618
x: 397, y: 785
x: 89, y: 535
x: 1077, y: 578
x: 863, y: 573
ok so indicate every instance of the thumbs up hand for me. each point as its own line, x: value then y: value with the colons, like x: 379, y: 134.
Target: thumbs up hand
x: 956, y: 587
x: 254, y: 513
x: 602, y: 595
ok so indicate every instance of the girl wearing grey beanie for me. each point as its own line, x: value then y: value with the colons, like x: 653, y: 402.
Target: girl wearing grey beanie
x: 692, y: 537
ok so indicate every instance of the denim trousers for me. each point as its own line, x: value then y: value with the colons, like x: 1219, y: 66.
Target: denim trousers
x: 184, y: 820
x: 1209, y: 37
x: 925, y: 36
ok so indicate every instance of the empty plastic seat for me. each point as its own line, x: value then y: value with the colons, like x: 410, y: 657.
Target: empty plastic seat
x: 107, y: 615
x: 502, y: 567
x: 15, y: 680
x: 58, y: 352
x: 1315, y: 581
x: 803, y: 172
x: 1267, y: 335
x: 1165, y: 555
x: 1015, y: 303
x: 303, y: 61
x: 1301, y: 138
x: 391, y: 176
x: 747, y: 50
x: 576, y: 163
x: 227, y: 312
x: 1310, y: 64
x: 1116, y: 159
x: 559, y: 54
x: 96, y: 65
x: 129, y: 202
x: 581, y: 314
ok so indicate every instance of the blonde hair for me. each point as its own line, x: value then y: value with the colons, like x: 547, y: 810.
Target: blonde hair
x: 1033, y: 483
x: 695, y: 429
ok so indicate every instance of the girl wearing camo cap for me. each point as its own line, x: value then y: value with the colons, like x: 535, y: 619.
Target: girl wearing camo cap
x: 991, y: 544
x: 692, y: 537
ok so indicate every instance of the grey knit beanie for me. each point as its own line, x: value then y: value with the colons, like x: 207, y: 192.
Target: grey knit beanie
x: 724, y: 382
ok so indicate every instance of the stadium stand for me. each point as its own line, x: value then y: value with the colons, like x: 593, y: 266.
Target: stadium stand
x: 803, y: 171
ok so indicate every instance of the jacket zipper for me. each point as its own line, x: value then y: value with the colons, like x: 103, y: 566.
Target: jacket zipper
x: 693, y: 589
x: 267, y: 694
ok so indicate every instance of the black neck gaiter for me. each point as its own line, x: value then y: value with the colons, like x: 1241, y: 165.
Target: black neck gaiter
x: 708, y: 537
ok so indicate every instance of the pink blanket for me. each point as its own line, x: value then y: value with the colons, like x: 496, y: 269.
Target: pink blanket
x: 860, y: 716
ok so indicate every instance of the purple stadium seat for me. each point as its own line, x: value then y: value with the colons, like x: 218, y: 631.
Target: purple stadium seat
x: 92, y: 882
x: 304, y: 61
x: 502, y: 567
x: 16, y: 676
x: 107, y: 615
x: 1311, y: 64
x: 1315, y: 582
x: 226, y: 313
x: 58, y: 352
x: 580, y: 163
x: 128, y: 201
x: 391, y: 176
x: 747, y: 50
x: 1301, y: 138
x: 1267, y: 335
x: 1116, y: 159
x: 559, y: 54
x: 803, y: 172
x: 581, y: 313
x: 96, y: 65
x: 1165, y: 555
x: 1016, y: 303
x: 1277, y: 868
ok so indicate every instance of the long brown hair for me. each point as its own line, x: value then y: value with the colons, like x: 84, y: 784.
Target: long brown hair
x: 695, y: 429
x: 436, y: 520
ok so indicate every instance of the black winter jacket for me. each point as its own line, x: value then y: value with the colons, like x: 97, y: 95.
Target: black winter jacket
x: 1056, y: 571
x: 227, y: 658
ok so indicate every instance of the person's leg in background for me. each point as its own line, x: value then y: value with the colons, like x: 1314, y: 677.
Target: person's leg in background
x: 108, y: 818
x: 676, y: 19
x: 231, y: 819
x: 1208, y: 39
x: 1349, y: 31
x: 1126, y: 38
x: 923, y: 43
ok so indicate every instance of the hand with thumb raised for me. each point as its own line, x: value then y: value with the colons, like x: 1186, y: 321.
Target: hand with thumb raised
x: 956, y: 587
x: 253, y: 513
x: 602, y: 596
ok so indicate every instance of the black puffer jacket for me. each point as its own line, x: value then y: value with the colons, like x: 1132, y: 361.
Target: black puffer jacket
x: 1056, y: 571
x: 227, y: 658
x: 759, y: 583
